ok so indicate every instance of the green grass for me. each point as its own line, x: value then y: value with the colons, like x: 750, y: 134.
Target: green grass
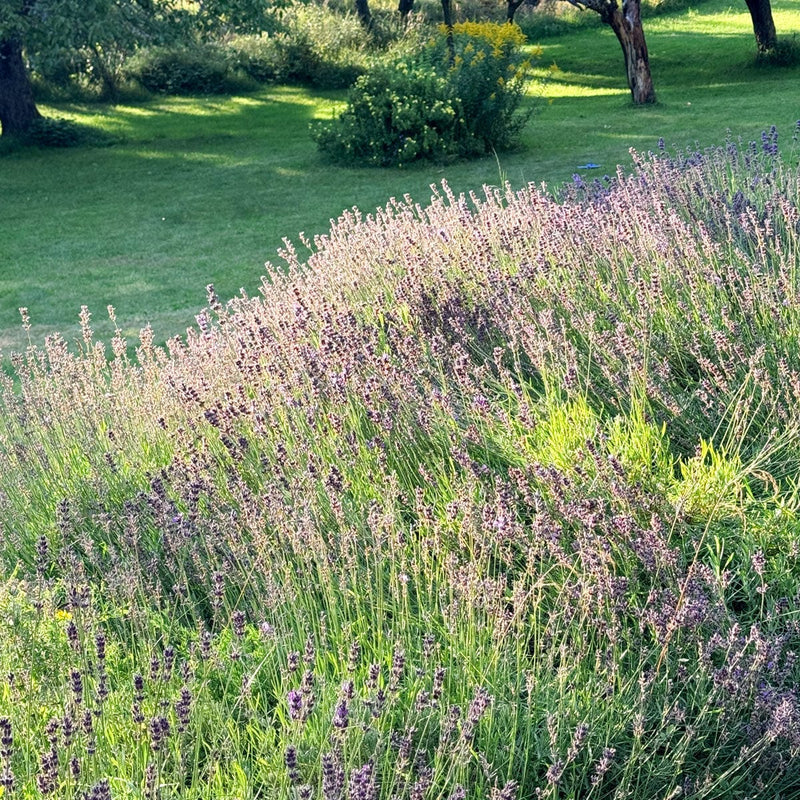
x: 202, y: 190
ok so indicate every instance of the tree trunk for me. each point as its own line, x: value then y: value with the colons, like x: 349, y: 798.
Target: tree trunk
x: 511, y: 9
x: 405, y: 7
x: 763, y: 25
x: 627, y: 25
x: 364, y: 15
x: 110, y: 87
x: 17, y: 107
x: 447, y: 15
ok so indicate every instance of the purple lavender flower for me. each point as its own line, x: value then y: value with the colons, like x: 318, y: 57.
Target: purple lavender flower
x: 6, y: 739
x: 332, y: 776
x: 341, y: 715
x: 555, y: 771
x: 295, y: 700
x: 603, y: 765
x: 183, y: 708
x: 290, y: 759
x: 362, y: 784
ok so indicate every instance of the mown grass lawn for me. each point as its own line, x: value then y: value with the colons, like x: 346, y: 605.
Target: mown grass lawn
x: 202, y: 190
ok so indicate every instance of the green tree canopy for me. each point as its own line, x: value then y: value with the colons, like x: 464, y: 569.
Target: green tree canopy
x: 101, y: 32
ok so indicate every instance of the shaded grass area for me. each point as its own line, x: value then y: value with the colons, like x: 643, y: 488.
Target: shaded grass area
x: 202, y: 190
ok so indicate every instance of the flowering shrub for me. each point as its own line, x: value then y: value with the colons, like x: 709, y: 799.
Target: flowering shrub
x: 395, y: 115
x: 491, y: 500
x: 431, y: 106
x: 487, y: 77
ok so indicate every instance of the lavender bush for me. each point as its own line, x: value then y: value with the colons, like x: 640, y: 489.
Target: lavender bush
x: 493, y: 498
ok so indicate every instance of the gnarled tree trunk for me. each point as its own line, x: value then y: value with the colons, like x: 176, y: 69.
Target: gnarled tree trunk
x: 17, y: 107
x: 405, y: 7
x: 763, y: 24
x: 364, y: 15
x: 626, y: 22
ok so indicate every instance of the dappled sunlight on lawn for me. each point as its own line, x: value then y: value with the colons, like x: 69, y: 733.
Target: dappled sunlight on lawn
x: 167, y: 117
x: 570, y: 85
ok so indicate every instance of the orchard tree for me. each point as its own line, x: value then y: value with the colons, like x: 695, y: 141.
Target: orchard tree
x: 364, y: 14
x: 101, y: 33
x: 18, y: 112
x: 763, y: 25
x: 626, y: 22
x: 447, y: 18
x: 512, y: 6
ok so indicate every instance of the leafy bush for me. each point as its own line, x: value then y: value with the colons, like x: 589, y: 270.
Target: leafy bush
x: 310, y: 45
x: 258, y: 57
x: 76, y: 54
x: 396, y: 114
x: 289, y: 57
x: 487, y: 77
x: 550, y: 18
x: 196, y: 69
x: 786, y: 53
x: 432, y: 105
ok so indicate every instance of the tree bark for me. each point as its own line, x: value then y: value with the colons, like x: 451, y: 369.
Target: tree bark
x: 763, y: 25
x: 364, y: 15
x: 17, y: 107
x: 405, y: 7
x: 626, y: 22
x: 447, y: 16
x: 511, y: 9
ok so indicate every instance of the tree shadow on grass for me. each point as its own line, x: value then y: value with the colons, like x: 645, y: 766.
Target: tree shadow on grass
x: 675, y: 61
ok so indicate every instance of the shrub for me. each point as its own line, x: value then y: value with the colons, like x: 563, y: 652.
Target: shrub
x: 291, y: 57
x: 196, y: 69
x: 258, y: 57
x: 550, y: 18
x: 430, y: 105
x: 487, y: 77
x: 310, y: 45
x: 395, y: 115
x: 786, y: 53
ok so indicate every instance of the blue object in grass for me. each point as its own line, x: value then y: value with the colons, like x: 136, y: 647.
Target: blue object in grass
x: 589, y: 165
